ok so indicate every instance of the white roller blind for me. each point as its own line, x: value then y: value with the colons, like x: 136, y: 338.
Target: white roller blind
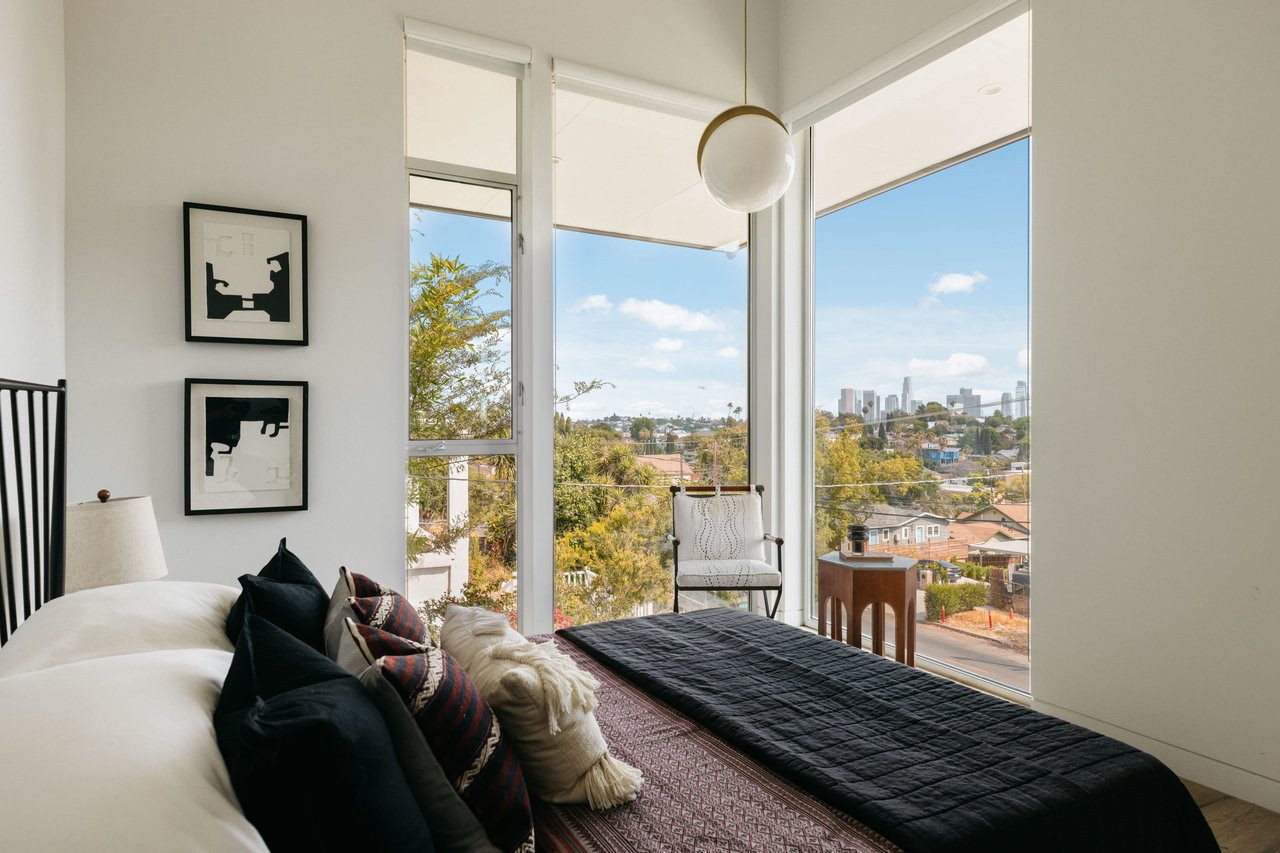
x: 626, y: 161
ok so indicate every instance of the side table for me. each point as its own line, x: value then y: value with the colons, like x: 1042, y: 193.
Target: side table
x: 849, y: 586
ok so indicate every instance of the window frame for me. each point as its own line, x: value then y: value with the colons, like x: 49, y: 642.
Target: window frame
x: 522, y: 330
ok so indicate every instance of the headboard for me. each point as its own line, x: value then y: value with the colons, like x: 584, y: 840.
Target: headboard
x: 33, y: 470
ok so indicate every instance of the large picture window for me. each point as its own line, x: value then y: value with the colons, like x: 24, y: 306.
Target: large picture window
x: 922, y: 428
x: 462, y: 444
x: 651, y: 352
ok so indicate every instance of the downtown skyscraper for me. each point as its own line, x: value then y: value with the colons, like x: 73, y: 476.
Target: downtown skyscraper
x: 908, y: 403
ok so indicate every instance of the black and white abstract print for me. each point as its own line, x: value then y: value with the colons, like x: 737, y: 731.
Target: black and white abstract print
x: 247, y: 444
x: 246, y: 272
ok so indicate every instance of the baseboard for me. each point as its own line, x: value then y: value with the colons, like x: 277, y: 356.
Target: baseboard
x: 1227, y: 778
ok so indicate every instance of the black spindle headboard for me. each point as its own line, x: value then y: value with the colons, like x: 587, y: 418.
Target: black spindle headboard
x: 33, y: 470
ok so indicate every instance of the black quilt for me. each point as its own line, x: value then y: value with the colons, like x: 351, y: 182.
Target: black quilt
x: 930, y: 764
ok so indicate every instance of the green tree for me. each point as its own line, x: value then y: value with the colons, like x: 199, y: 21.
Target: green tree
x: 459, y: 368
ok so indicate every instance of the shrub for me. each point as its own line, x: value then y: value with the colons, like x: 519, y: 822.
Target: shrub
x: 956, y: 598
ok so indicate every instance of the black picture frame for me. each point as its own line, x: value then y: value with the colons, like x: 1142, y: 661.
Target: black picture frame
x: 246, y: 275
x: 247, y: 417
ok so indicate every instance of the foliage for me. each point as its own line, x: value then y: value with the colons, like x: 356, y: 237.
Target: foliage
x: 459, y: 369
x: 484, y: 589
x: 955, y: 597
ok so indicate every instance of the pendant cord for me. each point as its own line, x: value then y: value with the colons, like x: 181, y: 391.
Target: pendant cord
x: 744, y: 51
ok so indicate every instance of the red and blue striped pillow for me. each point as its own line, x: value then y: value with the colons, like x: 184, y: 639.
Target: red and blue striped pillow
x: 465, y: 737
x: 391, y: 613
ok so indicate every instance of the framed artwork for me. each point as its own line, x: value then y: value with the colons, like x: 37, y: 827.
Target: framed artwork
x: 246, y: 273
x: 246, y: 446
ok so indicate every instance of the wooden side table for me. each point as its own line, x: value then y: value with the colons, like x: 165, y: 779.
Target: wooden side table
x: 850, y: 586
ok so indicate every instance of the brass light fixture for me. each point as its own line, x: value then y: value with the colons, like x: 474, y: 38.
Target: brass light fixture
x: 745, y: 155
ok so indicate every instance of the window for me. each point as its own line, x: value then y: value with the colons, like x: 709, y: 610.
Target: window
x: 921, y: 290
x: 462, y: 444
x: 651, y: 349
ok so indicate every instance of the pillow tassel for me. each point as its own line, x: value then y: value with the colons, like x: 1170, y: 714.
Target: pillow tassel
x: 610, y: 782
x: 565, y: 687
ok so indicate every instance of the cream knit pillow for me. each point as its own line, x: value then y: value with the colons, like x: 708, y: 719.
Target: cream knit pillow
x: 545, y: 704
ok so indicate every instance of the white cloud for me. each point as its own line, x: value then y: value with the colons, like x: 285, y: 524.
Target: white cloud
x: 958, y: 365
x: 597, y: 303
x: 661, y: 365
x: 952, y: 282
x: 1024, y: 358
x: 728, y: 352
x: 668, y: 344
x: 664, y: 315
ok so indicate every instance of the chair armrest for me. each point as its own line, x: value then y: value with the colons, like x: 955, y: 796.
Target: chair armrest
x: 770, y: 538
x: 672, y: 539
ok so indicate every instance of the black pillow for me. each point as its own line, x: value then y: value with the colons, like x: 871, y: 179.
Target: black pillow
x: 294, y: 607
x: 308, y: 753
x: 284, y: 567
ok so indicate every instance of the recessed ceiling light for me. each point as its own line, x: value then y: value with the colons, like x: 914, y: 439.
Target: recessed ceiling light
x: 991, y: 89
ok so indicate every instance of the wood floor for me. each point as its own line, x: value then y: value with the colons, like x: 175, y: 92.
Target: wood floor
x: 1240, y: 827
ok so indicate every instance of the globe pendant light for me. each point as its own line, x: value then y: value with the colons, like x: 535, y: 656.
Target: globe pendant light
x: 745, y: 156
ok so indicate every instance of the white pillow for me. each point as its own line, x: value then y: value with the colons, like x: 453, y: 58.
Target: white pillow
x: 118, y: 620
x: 119, y: 754
x: 545, y: 704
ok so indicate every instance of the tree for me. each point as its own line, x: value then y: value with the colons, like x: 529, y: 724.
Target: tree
x: 642, y: 429
x: 459, y: 369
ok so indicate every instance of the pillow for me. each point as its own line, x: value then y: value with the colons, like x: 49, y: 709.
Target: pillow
x: 453, y: 826
x: 284, y: 567
x: 118, y: 620
x: 119, y: 754
x: 296, y: 608
x: 467, y: 740
x: 308, y: 753
x: 391, y: 613
x: 350, y: 585
x: 546, y: 706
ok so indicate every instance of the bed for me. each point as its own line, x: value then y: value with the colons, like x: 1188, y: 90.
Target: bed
x: 751, y: 735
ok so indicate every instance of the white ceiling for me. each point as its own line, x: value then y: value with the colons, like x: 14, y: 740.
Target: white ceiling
x: 926, y: 117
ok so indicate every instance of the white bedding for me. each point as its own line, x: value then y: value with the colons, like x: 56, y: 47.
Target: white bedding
x: 118, y: 620
x: 106, y: 724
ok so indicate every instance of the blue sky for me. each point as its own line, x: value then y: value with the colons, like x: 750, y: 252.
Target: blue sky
x: 928, y: 280
x: 666, y: 325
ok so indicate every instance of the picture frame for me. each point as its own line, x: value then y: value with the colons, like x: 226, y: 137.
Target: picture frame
x: 245, y: 446
x: 246, y: 275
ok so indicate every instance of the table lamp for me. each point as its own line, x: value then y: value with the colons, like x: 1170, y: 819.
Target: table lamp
x: 112, y: 541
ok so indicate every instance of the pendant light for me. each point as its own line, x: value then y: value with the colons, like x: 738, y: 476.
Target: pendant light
x: 745, y: 156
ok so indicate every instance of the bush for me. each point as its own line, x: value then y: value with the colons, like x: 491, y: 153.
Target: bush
x: 955, y: 597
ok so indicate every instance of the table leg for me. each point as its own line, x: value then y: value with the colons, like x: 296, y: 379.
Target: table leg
x: 877, y: 628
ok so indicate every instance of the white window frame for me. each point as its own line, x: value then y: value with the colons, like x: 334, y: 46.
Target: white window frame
x: 531, y: 329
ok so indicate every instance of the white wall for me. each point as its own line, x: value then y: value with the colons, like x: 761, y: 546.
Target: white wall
x: 1154, y: 221
x: 32, y: 191
x: 291, y: 105
x: 1154, y: 230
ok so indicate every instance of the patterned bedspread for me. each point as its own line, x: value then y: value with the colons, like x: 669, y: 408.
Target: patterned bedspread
x: 929, y: 764
x: 700, y: 794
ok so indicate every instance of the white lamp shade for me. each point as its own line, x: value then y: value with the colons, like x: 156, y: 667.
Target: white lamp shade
x: 746, y: 159
x: 112, y: 542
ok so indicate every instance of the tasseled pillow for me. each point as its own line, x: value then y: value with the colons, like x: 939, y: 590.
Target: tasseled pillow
x: 546, y: 706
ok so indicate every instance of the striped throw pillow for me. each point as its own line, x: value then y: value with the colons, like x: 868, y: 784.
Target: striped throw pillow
x: 466, y: 739
x: 391, y: 613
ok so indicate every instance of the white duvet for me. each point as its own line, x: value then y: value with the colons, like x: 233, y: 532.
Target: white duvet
x: 106, y: 724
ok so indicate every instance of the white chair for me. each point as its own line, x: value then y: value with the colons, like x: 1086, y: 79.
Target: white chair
x: 718, y: 542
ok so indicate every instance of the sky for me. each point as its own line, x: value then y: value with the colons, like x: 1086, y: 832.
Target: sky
x: 929, y: 280
x: 667, y: 325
